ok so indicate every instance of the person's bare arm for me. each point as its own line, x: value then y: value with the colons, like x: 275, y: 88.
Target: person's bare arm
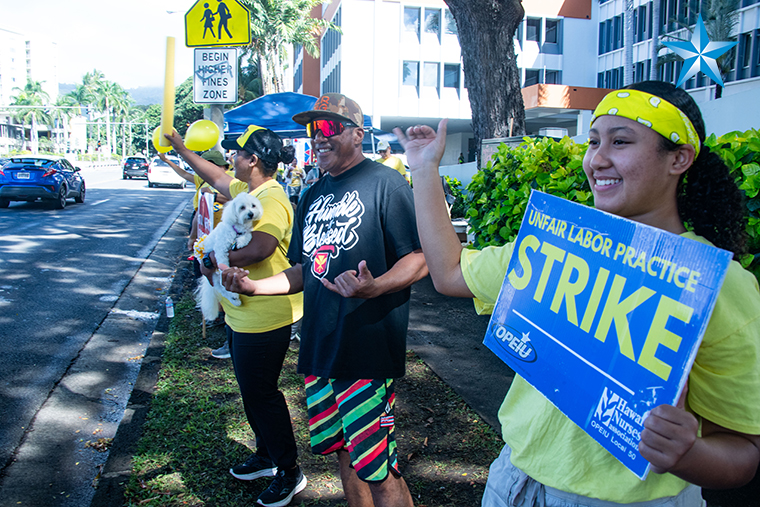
x: 177, y: 169
x: 721, y: 458
x: 289, y: 281
x: 424, y: 150
x: 209, y: 171
x: 361, y: 284
x: 261, y: 246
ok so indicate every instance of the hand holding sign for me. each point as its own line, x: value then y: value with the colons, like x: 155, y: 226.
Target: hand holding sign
x: 669, y: 434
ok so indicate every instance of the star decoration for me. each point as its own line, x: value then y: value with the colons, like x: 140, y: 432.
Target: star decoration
x: 699, y: 54
x: 525, y: 338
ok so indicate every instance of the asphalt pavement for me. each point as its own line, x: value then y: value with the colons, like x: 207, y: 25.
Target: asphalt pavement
x: 99, y: 287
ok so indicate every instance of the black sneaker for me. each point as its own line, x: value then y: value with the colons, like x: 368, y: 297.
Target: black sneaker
x: 282, y: 489
x: 254, y: 467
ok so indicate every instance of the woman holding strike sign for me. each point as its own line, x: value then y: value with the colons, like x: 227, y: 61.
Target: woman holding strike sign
x: 646, y: 162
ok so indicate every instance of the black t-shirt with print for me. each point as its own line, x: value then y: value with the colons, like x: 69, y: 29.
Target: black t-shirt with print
x: 365, y: 213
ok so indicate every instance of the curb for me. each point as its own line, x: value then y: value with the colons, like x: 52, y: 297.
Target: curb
x: 118, y: 468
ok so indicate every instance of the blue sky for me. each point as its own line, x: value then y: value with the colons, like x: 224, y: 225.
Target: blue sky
x: 124, y: 39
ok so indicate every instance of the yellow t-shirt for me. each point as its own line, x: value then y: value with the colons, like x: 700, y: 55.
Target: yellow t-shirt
x: 260, y: 314
x: 200, y: 183
x: 723, y: 387
x: 395, y: 163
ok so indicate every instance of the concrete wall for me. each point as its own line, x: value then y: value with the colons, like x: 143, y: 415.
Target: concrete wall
x: 740, y: 111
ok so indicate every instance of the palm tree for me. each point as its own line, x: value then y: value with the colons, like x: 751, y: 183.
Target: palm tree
x: 33, y: 96
x: 276, y: 24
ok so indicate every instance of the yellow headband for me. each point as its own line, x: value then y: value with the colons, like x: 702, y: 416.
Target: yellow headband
x: 651, y: 111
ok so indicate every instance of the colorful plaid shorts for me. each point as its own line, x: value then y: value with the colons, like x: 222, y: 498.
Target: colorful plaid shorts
x: 356, y: 415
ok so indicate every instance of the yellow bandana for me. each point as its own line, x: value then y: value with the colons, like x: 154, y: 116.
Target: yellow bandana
x: 651, y: 111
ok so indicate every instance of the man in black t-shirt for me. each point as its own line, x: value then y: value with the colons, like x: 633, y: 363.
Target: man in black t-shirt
x: 356, y: 254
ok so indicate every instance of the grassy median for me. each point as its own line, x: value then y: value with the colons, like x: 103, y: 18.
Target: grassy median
x: 196, y: 430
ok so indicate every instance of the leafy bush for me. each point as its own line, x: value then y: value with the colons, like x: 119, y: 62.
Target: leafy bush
x: 499, y: 193
x: 458, y: 209
x: 741, y: 152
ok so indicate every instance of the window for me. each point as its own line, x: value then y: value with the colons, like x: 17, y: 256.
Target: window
x: 412, y: 19
x: 552, y: 37
x: 450, y: 26
x: 745, y: 55
x: 552, y: 27
x: 553, y: 77
x: 433, y: 21
x: 411, y: 73
x: 602, y: 37
x: 451, y: 75
x: 532, y: 76
x: 533, y: 29
x: 430, y: 74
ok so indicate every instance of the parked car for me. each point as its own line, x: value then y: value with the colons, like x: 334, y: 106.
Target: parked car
x: 159, y: 173
x: 135, y: 166
x: 28, y: 178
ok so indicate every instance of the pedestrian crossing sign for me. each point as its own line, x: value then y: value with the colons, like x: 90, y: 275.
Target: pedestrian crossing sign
x: 217, y: 23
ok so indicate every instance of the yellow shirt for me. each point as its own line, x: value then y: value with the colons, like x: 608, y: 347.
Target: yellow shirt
x: 723, y: 387
x: 395, y: 163
x: 199, y: 184
x: 260, y: 314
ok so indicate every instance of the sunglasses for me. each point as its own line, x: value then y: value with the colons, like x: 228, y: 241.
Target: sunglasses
x: 329, y: 128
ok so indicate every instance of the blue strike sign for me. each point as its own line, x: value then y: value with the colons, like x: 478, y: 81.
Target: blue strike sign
x: 604, y: 316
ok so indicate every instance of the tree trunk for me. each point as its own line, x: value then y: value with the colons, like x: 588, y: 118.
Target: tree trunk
x: 628, y: 51
x: 486, y: 31
x: 655, y: 38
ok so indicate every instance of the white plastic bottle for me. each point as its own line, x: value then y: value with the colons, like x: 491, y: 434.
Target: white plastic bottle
x: 169, y: 307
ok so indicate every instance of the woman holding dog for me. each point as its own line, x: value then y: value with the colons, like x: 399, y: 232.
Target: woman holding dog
x: 259, y: 330
x: 656, y: 172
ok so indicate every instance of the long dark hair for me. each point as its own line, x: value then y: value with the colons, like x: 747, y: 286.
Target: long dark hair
x: 708, y: 199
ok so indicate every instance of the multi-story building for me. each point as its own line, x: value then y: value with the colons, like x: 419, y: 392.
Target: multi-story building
x: 23, y: 58
x: 401, y: 60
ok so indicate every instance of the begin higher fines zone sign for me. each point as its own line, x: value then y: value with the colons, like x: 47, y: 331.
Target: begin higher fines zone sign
x: 604, y: 316
x: 215, y: 76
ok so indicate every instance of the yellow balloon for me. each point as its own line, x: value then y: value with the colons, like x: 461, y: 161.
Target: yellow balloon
x: 202, y: 135
x: 156, y: 139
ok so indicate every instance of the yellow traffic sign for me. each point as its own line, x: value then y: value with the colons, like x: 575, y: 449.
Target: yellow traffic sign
x: 217, y: 23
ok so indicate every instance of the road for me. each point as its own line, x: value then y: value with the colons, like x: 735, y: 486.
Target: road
x: 72, y: 333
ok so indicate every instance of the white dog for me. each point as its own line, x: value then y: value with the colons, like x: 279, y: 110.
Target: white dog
x: 233, y: 232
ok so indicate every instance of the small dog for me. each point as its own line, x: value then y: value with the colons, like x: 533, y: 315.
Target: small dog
x: 233, y: 232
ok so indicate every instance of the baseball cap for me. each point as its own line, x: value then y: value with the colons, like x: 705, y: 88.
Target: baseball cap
x: 260, y: 141
x: 335, y: 106
x: 382, y: 146
x: 215, y: 157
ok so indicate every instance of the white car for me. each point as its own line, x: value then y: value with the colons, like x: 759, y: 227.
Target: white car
x: 159, y: 173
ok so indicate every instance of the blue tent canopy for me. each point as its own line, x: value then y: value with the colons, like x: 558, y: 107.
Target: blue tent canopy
x: 275, y: 112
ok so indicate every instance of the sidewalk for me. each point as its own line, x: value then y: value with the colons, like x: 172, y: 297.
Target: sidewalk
x: 448, y: 335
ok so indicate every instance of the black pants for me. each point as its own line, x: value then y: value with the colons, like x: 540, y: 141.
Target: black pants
x: 257, y: 359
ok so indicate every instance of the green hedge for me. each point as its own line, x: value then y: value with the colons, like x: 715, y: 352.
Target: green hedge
x: 498, y: 194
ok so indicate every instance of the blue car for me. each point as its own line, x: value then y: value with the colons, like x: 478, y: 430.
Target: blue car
x: 32, y: 177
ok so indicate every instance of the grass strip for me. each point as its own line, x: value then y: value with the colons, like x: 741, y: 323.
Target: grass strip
x: 196, y: 430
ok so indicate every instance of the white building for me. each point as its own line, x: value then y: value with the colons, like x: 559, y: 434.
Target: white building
x: 401, y: 61
x: 23, y: 58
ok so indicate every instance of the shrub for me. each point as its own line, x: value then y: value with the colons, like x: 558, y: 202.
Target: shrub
x: 499, y: 193
x: 741, y: 152
x: 458, y: 209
